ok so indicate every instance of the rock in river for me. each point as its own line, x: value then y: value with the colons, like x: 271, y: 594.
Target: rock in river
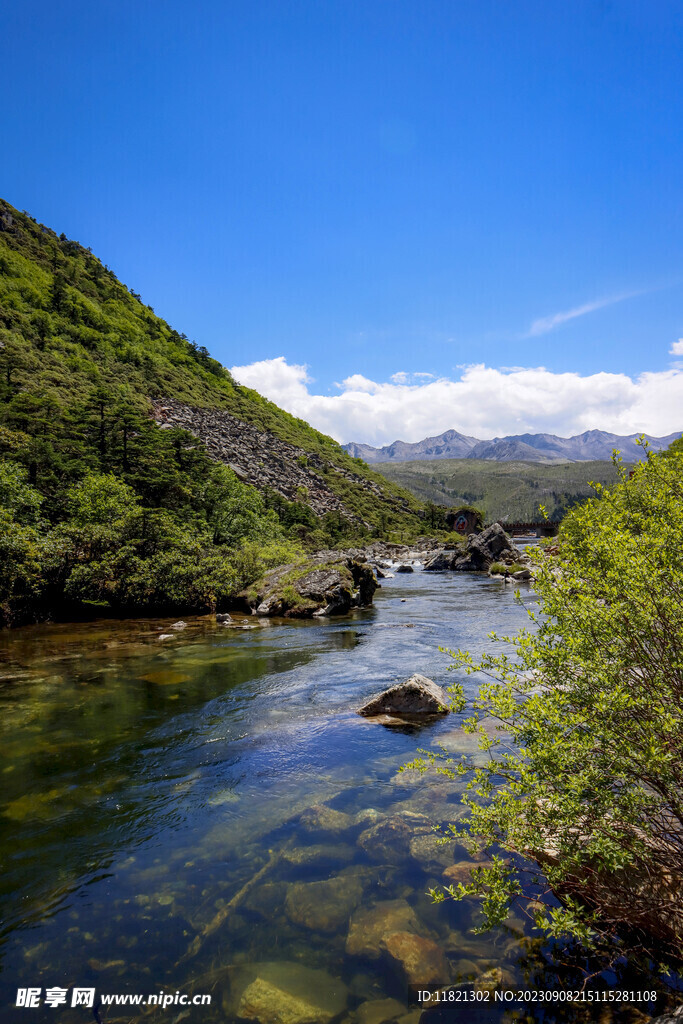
x: 420, y: 961
x: 323, y: 906
x: 312, y: 588
x: 370, y: 925
x: 388, y: 842
x: 284, y: 992
x: 416, y: 696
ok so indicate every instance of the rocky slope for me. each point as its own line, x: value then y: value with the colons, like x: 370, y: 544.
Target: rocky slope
x: 264, y: 460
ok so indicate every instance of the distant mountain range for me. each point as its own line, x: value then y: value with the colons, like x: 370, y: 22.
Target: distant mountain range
x: 587, y: 447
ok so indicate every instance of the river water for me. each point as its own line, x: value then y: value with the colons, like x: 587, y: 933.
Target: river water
x: 146, y: 782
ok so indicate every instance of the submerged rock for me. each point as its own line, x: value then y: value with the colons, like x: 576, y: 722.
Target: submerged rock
x: 323, y: 906
x: 404, y: 568
x: 431, y: 854
x: 420, y: 961
x: 380, y: 1011
x: 388, y: 842
x: 285, y: 992
x: 369, y: 926
x: 321, y: 818
x: 320, y: 853
x: 416, y: 696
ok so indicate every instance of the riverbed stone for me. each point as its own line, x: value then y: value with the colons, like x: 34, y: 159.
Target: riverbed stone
x: 416, y: 696
x: 380, y: 1011
x: 266, y: 900
x: 388, y: 842
x: 431, y: 853
x: 323, y: 906
x: 285, y: 992
x: 462, y: 871
x: 489, y: 981
x: 420, y: 961
x: 404, y: 568
x: 321, y: 818
x: 320, y: 853
x: 369, y: 926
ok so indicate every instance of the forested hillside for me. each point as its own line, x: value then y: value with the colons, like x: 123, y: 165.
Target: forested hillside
x: 100, y: 502
x: 511, y: 491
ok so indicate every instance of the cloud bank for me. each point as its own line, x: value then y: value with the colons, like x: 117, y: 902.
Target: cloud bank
x: 484, y: 402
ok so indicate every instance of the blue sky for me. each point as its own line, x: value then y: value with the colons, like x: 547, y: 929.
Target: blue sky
x: 372, y: 189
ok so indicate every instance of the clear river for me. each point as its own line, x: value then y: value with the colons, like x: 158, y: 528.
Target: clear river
x: 207, y: 814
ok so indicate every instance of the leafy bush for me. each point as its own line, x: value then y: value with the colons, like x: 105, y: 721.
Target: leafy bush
x: 591, y: 785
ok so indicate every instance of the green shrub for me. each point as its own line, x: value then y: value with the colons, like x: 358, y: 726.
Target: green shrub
x: 592, y: 700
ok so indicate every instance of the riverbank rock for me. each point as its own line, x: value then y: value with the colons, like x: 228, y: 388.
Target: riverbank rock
x: 416, y: 696
x: 312, y: 588
x: 284, y: 992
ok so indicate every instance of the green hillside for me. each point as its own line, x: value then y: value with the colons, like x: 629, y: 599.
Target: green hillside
x: 100, y: 503
x: 502, y: 490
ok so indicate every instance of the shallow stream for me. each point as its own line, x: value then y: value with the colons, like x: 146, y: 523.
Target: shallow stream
x: 147, y: 783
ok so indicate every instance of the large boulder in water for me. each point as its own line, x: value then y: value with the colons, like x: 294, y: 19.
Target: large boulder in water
x: 417, y: 696
x: 441, y: 560
x: 313, y: 588
x: 492, y: 545
x: 284, y: 992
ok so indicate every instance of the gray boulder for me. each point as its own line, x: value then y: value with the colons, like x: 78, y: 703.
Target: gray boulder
x: 485, y: 548
x: 405, y: 568
x: 312, y: 588
x: 416, y: 696
x: 440, y: 561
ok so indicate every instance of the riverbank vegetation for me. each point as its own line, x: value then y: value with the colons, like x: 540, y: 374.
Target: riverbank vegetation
x: 583, y: 722
x: 100, y: 503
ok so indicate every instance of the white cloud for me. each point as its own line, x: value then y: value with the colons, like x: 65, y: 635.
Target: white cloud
x: 409, y: 378
x: 677, y: 348
x: 482, y: 401
x: 548, y: 323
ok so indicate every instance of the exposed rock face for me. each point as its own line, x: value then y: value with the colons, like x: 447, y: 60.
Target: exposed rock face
x: 264, y: 460
x: 416, y: 696
x: 314, y: 589
x: 285, y: 993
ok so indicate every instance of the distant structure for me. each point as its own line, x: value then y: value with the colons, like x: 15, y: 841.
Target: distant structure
x: 543, y: 529
x: 464, y: 520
